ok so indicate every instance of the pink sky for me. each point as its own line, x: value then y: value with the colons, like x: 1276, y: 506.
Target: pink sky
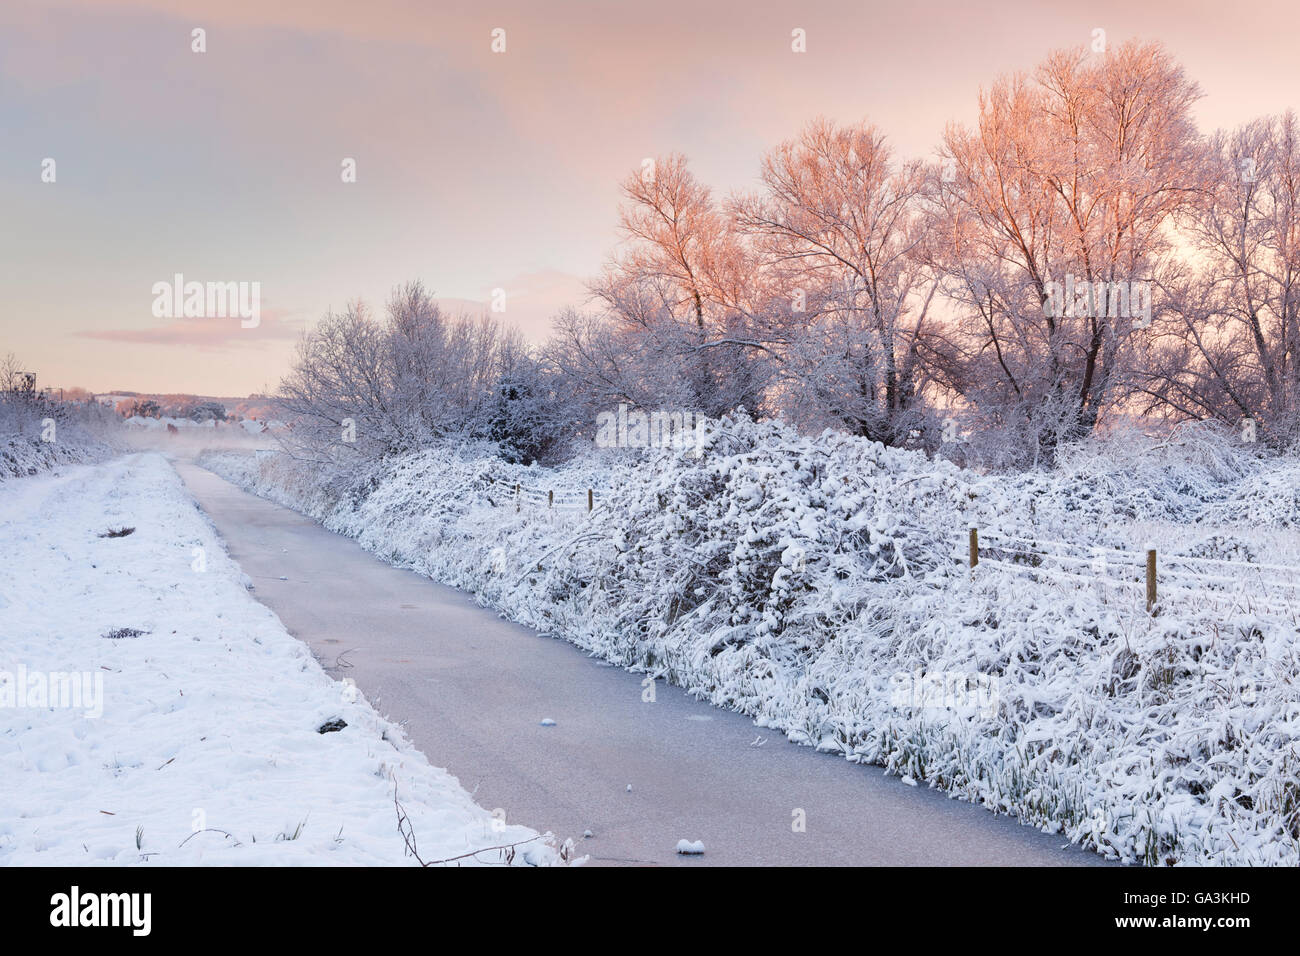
x: 475, y: 170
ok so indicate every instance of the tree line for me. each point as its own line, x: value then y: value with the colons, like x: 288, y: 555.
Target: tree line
x: 1081, y: 252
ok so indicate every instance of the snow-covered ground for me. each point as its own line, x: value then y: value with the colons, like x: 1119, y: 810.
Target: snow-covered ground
x: 153, y: 712
x: 820, y: 585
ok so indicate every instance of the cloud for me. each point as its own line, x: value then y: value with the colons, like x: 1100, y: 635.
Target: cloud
x: 199, y: 333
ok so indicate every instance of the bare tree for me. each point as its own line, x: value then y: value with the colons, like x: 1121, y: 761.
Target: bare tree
x: 442, y: 367
x: 1069, y: 180
x: 1228, y: 344
x: 604, y: 360
x: 11, y: 373
x: 684, y: 285
x: 362, y: 389
x: 836, y: 226
x: 339, y: 387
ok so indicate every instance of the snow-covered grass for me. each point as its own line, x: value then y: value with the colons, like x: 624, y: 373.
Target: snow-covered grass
x: 182, y: 724
x: 21, y: 456
x: 819, y: 584
x: 38, y: 436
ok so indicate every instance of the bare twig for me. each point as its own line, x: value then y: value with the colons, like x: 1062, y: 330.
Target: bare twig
x: 228, y: 836
x: 408, y: 837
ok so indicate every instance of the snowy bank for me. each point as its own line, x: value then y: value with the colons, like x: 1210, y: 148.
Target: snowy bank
x: 153, y: 712
x: 21, y: 456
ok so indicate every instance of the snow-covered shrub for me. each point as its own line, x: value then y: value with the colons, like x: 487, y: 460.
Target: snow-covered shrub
x: 37, y: 435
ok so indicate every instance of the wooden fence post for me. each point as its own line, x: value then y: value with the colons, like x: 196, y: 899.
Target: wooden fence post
x: 516, y: 497
x: 1151, y: 580
x: 974, y: 548
x: 550, y: 499
x: 588, y: 499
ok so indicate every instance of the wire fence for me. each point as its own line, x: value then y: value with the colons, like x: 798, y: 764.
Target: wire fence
x: 555, y: 499
x: 1163, y: 579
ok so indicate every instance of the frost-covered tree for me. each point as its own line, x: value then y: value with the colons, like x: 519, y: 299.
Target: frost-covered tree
x: 530, y: 415
x: 442, y: 367
x: 366, y: 387
x: 604, y: 361
x: 681, y: 294
x: 836, y: 225
x: 1070, y: 178
x: 1228, y: 345
x: 208, y: 411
